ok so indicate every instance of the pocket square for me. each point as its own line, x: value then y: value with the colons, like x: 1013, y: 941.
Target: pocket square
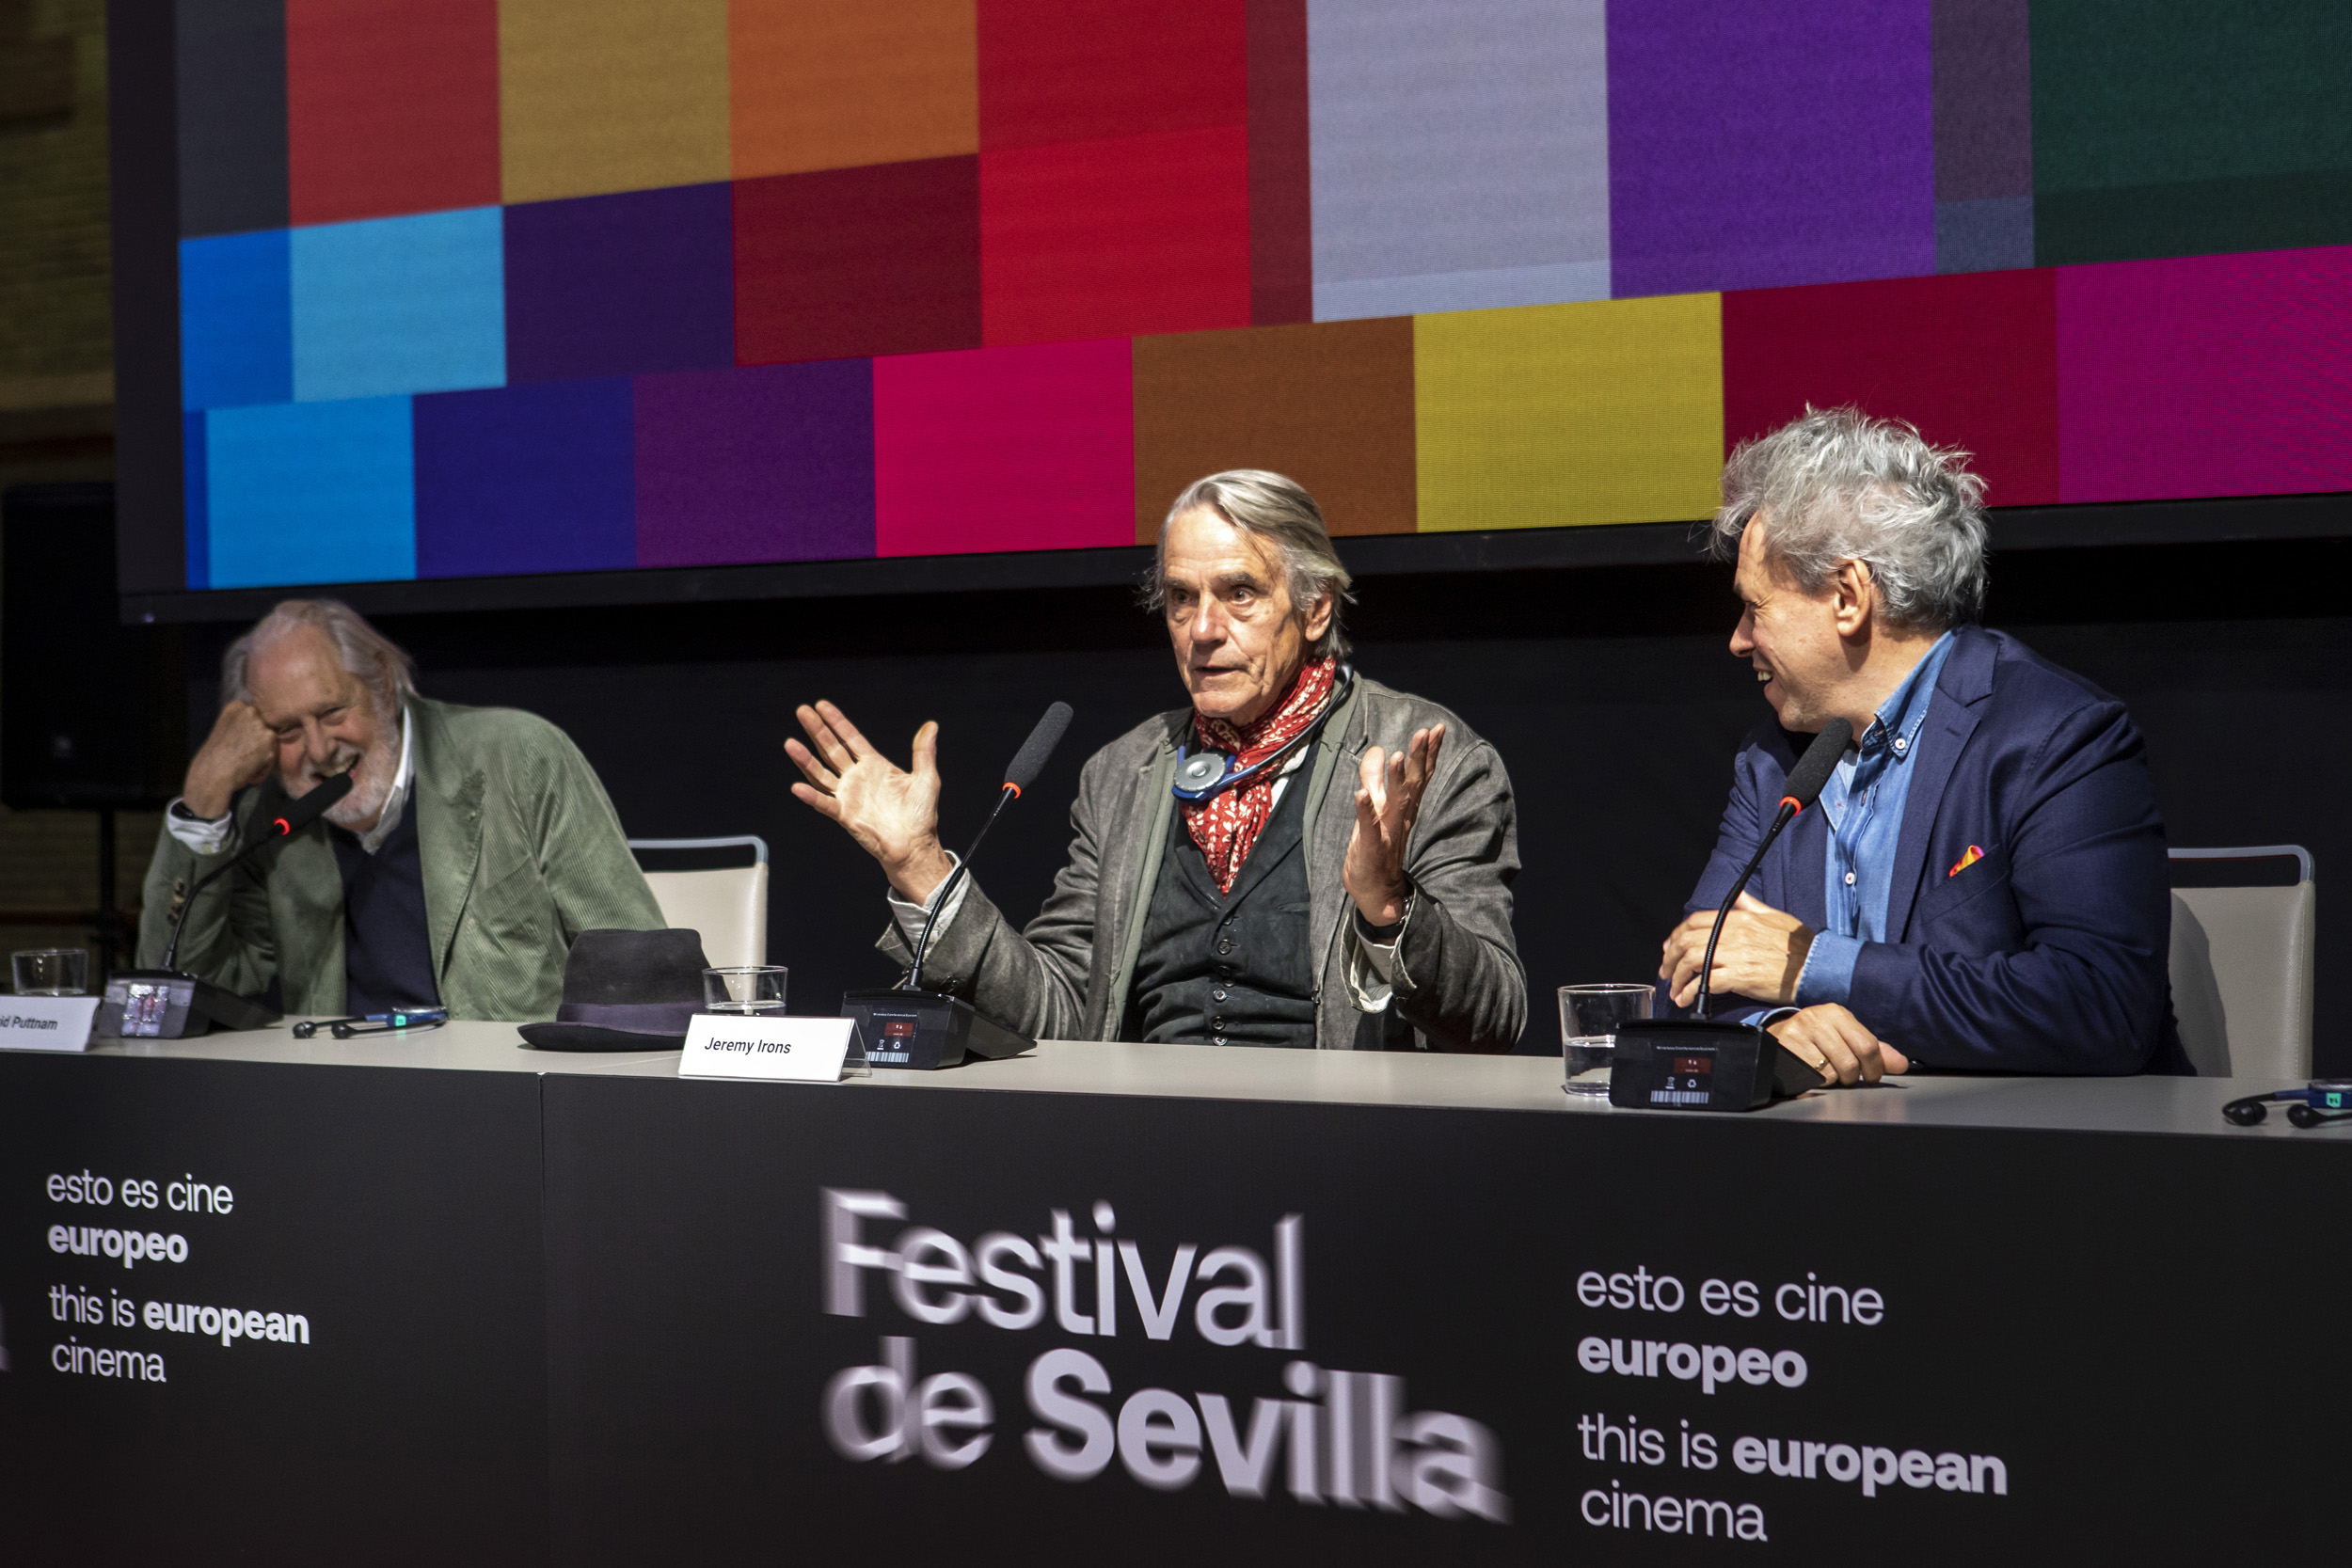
x: 1971, y: 858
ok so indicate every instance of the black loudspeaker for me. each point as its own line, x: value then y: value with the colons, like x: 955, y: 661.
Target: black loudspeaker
x: 93, y: 713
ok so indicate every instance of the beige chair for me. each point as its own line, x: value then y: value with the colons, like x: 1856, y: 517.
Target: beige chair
x: 2242, y: 967
x: 728, y: 907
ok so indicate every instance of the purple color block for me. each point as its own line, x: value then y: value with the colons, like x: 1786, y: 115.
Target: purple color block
x: 768, y: 463
x: 1983, y: 100
x: 1752, y: 146
x: 620, y: 285
x: 525, y: 479
x: 2206, y: 375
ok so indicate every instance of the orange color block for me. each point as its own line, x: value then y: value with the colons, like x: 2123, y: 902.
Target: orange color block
x: 840, y: 83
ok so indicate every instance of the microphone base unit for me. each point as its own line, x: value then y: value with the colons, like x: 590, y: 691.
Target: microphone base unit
x: 1693, y: 1065
x: 925, y: 1029
x: 167, y: 1004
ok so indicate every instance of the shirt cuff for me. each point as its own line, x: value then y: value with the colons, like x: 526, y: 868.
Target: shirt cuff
x: 1828, y: 972
x: 910, y: 917
x: 205, y: 838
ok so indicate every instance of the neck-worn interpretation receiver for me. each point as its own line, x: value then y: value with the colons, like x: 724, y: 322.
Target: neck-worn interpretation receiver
x: 1205, y: 774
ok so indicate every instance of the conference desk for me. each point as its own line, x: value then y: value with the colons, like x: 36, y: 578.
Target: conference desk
x: 443, y: 1297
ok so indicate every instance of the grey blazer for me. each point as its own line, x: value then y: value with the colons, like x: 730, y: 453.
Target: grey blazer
x: 1457, y: 984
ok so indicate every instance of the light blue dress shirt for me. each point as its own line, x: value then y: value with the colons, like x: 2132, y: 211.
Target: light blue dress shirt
x: 1864, y: 804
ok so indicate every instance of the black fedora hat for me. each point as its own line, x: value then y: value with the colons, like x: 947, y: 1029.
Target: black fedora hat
x: 626, y: 991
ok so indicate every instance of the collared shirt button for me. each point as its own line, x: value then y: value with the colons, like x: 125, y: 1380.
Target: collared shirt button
x: 1849, y: 879
x: 1901, y: 743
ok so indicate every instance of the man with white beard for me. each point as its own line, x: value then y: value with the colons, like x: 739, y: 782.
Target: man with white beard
x: 475, y: 845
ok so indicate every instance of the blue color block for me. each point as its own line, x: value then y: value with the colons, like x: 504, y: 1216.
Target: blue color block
x: 236, y: 322
x: 195, y: 500
x: 527, y: 479
x: 312, y: 492
x: 399, y: 305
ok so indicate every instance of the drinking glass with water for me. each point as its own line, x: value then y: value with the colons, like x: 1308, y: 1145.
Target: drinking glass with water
x: 1589, y: 1017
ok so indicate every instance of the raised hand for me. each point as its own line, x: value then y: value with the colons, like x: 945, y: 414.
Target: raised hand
x: 893, y: 812
x: 1388, y: 802
x: 241, y: 751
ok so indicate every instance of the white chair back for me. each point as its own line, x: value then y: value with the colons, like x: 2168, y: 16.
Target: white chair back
x: 729, y: 907
x: 2243, y: 969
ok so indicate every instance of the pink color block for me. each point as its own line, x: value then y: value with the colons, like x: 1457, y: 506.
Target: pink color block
x: 2207, y: 376
x: 1031, y: 448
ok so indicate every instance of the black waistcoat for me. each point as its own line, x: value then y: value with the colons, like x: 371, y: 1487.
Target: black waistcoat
x: 1237, y: 968
x: 388, y: 948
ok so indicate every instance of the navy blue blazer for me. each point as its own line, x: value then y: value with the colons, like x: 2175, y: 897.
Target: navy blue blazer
x: 2049, y: 954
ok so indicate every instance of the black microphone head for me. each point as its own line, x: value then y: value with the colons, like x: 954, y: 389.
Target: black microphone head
x: 1029, y: 761
x: 303, y: 810
x: 1819, y: 762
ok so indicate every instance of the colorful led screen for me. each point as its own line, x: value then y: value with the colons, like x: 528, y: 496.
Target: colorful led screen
x: 482, y: 287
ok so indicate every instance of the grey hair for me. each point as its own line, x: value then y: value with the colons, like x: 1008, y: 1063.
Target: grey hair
x: 1838, y: 485
x: 390, y: 674
x: 1280, y: 510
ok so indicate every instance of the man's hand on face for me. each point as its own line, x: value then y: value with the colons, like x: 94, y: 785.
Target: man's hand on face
x: 1387, y: 800
x: 1759, y: 956
x: 1834, y: 1043
x: 241, y: 751
x: 892, y: 813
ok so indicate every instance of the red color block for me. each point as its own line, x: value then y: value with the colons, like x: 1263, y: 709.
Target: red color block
x: 392, y: 106
x: 852, y: 261
x: 1281, y: 219
x: 1060, y: 70
x: 2207, y: 376
x: 1971, y: 359
x: 1005, y: 449
x: 1097, y: 238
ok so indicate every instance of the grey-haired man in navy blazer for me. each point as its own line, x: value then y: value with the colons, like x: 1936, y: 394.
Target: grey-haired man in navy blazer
x: 1983, y: 885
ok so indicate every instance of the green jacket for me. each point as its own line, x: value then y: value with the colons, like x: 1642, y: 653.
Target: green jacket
x: 523, y: 851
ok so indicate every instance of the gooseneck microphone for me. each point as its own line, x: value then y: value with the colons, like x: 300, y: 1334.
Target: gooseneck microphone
x: 296, y: 816
x: 1803, y: 786
x: 1020, y: 774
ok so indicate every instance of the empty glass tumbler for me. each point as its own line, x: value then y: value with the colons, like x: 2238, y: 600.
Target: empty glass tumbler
x: 744, y: 988
x: 1589, y: 1017
x: 51, y: 971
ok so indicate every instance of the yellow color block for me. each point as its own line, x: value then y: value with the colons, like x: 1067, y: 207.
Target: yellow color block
x: 840, y: 83
x: 610, y: 95
x: 1608, y: 412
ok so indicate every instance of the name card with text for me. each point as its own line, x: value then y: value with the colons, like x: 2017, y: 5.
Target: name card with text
x: 771, y: 1046
x: 46, y: 1022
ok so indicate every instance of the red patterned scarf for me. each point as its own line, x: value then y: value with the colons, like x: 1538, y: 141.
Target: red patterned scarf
x: 1227, y: 824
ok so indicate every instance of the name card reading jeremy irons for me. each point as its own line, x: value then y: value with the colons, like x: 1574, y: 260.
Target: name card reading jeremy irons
x: 765, y: 1045
x: 46, y: 1022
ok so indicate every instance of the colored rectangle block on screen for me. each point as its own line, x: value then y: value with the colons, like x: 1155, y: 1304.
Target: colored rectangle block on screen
x: 311, y: 492
x: 236, y: 320
x: 399, y: 305
x: 1971, y: 360
x: 195, y: 501
x: 768, y: 463
x: 392, y: 106
x: 1066, y: 71
x: 1281, y: 166
x: 2174, y: 127
x: 1011, y: 449
x: 526, y: 479
x: 1608, y: 412
x: 848, y: 261
x: 229, y: 73
x: 1094, y: 239
x: 840, y: 83
x: 618, y: 285
x: 1461, y: 155
x: 1330, y: 405
x: 610, y: 95
x: 1752, y: 146
x: 2208, y: 375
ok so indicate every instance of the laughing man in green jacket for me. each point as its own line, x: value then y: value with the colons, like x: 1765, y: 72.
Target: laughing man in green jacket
x: 475, y: 845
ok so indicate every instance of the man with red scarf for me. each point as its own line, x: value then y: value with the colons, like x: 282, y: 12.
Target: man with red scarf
x: 1251, y: 904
